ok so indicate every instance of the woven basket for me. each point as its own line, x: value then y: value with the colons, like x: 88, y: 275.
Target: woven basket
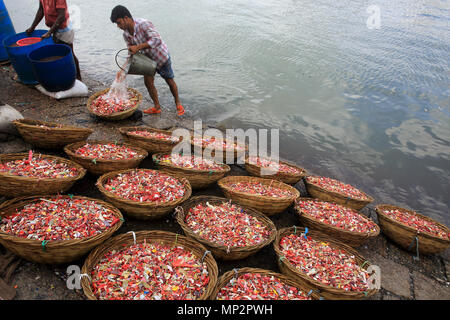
x: 325, y: 291
x: 53, y: 252
x: 227, y: 276
x: 267, y: 205
x: 211, y: 151
x: 149, y: 144
x: 197, y: 178
x: 142, y: 210
x: 220, y: 251
x: 351, y: 238
x: 405, y: 235
x: 167, y: 238
x: 326, y: 195
x: 288, y: 178
x: 102, y: 166
x: 118, y: 115
x: 17, y: 186
x: 50, y: 137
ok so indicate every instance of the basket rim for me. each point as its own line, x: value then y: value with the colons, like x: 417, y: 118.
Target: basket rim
x: 70, y: 150
x: 225, y: 278
x: 222, y: 183
x: 12, y: 156
x: 104, y: 177
x: 114, y: 243
x: 125, y: 131
x: 300, y: 175
x: 335, y: 243
x: 302, y: 214
x: 27, y: 123
x: 370, y: 199
x: 180, y: 216
x: 226, y: 168
x: 408, y: 228
x: 57, y: 243
x: 115, y: 114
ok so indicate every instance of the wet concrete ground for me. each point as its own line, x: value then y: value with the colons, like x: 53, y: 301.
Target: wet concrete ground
x: 401, y: 276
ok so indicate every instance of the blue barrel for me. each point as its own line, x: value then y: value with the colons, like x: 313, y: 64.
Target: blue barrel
x: 6, y: 30
x: 19, y: 55
x: 54, y: 67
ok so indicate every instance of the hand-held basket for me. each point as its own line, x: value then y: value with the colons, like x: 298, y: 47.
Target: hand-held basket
x: 118, y: 115
x: 48, y: 135
x: 142, y: 210
x: 197, y: 178
x: 101, y: 166
x: 325, y: 291
x: 405, y: 235
x: 220, y: 251
x: 339, y: 198
x: 209, y: 151
x: 19, y: 186
x: 150, y: 144
x: 351, y: 238
x: 289, y: 178
x: 167, y: 238
x: 53, y: 252
x: 265, y: 204
x: 227, y: 276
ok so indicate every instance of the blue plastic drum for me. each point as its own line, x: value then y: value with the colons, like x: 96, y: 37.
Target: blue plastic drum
x: 19, y: 55
x: 54, y: 67
x: 6, y: 30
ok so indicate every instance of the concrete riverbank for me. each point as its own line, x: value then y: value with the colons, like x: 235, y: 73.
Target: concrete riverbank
x: 401, y: 276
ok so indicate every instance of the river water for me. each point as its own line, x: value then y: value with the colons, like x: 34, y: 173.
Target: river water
x: 356, y: 98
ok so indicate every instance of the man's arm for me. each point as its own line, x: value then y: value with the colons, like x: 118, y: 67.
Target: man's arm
x: 136, y: 48
x: 151, y: 35
x: 59, y: 20
x: 37, y: 19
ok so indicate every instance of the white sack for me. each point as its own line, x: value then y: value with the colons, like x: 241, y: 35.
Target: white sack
x: 79, y: 89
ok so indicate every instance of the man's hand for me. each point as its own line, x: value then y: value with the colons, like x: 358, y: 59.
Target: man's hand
x: 29, y: 31
x: 134, y: 49
x: 46, y: 35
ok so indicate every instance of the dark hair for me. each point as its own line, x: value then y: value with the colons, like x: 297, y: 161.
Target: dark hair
x: 119, y: 12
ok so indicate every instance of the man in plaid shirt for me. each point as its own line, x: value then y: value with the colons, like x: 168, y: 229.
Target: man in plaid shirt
x: 141, y: 35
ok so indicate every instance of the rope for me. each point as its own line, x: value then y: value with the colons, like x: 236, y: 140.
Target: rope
x: 178, y: 210
x: 134, y: 236
x: 417, y: 258
x: 44, y: 243
x: 364, y: 263
x: 85, y: 275
x: 206, y: 252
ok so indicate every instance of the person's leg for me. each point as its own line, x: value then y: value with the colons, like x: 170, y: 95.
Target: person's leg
x: 150, y: 84
x: 174, y: 89
x: 67, y: 38
x: 167, y: 73
x: 77, y: 65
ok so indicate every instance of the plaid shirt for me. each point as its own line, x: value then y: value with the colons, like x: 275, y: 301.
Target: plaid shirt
x: 144, y: 31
